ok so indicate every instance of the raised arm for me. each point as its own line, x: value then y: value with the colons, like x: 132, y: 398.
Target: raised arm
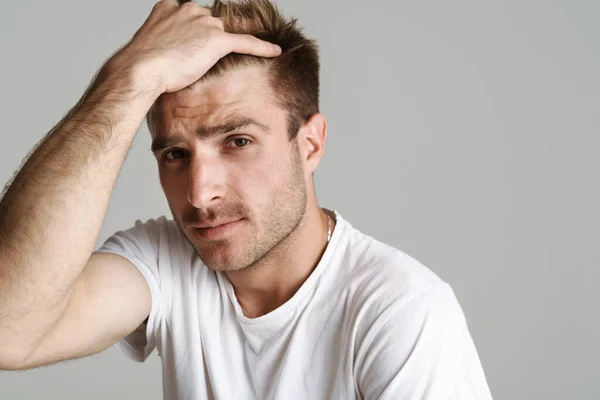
x: 56, y: 300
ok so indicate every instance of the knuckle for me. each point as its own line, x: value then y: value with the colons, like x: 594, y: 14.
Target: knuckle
x: 161, y: 7
x: 216, y: 34
x: 219, y: 39
x: 157, y: 6
x: 217, y: 21
x: 189, y: 7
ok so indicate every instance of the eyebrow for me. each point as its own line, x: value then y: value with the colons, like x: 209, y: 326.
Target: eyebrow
x: 204, y: 132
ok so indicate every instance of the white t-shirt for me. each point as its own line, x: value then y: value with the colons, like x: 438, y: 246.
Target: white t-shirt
x: 370, y: 322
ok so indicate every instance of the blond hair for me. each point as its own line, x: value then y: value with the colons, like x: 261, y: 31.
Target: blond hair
x: 294, y: 75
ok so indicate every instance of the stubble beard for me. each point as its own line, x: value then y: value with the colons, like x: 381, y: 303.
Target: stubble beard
x: 281, y: 219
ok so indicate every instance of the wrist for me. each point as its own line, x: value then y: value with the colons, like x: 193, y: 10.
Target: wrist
x: 139, y: 78
x: 145, y: 80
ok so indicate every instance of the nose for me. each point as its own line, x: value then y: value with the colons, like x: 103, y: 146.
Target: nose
x: 206, y: 181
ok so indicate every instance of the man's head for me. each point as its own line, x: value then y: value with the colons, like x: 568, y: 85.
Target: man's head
x: 241, y: 143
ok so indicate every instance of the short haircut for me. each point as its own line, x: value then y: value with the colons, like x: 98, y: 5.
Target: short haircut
x: 293, y: 75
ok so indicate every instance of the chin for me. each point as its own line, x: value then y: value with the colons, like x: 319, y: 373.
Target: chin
x: 219, y: 257
x: 218, y: 265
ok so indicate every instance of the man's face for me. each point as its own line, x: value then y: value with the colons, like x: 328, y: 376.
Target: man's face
x: 225, y: 157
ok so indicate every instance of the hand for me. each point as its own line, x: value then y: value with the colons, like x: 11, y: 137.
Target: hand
x: 176, y: 45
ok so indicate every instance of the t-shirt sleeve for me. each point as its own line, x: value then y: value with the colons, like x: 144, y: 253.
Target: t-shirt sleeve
x: 422, y: 350
x: 140, y: 245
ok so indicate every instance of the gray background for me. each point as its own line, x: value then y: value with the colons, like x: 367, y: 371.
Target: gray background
x: 464, y: 133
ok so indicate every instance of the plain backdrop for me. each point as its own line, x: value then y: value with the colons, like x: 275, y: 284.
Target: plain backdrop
x: 463, y: 133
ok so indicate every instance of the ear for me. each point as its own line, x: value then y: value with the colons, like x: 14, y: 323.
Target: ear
x: 311, y: 138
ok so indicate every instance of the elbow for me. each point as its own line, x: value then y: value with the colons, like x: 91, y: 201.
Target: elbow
x: 11, y: 363
x: 12, y: 359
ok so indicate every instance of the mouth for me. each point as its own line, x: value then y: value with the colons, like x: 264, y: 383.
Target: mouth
x: 215, y: 231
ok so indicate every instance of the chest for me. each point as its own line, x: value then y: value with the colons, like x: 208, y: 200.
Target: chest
x: 307, y: 354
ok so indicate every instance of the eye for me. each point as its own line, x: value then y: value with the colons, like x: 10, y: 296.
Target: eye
x: 174, y: 154
x: 239, y: 142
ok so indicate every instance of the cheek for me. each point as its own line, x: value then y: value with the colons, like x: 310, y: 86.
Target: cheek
x: 259, y: 177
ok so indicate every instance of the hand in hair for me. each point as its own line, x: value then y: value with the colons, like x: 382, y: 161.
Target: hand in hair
x: 178, y: 44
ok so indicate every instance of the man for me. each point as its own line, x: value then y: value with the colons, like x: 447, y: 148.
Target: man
x: 252, y: 290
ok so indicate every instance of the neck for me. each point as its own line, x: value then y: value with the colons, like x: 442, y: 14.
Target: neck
x: 272, y: 281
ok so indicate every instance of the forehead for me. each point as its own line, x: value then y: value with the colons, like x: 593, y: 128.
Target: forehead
x: 241, y: 92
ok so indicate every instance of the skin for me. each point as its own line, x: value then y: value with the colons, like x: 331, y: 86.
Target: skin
x: 253, y: 175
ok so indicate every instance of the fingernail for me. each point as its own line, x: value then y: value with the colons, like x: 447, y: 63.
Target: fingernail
x: 278, y: 48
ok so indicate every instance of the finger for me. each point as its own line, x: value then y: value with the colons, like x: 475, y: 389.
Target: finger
x: 218, y: 22
x: 194, y: 9
x: 248, y: 44
x: 163, y: 7
x: 168, y: 5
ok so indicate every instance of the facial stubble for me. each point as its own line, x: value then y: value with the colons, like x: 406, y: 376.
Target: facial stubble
x: 277, y: 223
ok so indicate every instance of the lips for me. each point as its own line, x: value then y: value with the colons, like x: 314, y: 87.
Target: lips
x: 211, y: 226
x: 215, y: 231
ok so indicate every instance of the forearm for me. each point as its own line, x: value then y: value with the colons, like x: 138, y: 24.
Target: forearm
x: 51, y: 214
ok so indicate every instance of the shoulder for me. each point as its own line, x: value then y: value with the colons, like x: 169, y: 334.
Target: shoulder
x: 381, y: 270
x: 411, y: 335
x: 384, y: 282
x: 147, y: 238
x: 155, y: 227
x: 151, y: 229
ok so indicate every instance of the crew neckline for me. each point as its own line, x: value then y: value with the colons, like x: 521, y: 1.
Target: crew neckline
x: 285, y: 308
